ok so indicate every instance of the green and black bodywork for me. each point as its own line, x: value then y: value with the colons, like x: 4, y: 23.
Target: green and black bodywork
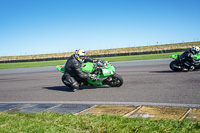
x: 105, y: 75
x: 175, y: 56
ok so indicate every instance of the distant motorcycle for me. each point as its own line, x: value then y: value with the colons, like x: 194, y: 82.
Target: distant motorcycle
x: 105, y: 74
x: 176, y: 64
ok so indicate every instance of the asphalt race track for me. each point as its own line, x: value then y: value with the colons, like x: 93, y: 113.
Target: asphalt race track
x: 147, y: 82
x: 143, y: 82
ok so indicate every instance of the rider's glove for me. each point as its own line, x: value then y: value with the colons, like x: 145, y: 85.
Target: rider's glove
x: 99, y: 63
x: 92, y: 76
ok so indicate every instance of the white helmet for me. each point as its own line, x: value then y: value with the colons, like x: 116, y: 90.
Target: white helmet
x: 80, y: 55
x: 195, y: 49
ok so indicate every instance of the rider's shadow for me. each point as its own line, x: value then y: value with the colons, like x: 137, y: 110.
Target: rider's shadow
x: 68, y: 89
x: 167, y: 71
x: 59, y: 88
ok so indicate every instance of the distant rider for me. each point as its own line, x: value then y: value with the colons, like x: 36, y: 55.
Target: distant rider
x: 187, y: 58
x: 73, y: 70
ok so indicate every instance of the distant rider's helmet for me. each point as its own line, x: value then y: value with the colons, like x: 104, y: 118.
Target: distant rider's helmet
x: 195, y: 50
x: 80, y: 55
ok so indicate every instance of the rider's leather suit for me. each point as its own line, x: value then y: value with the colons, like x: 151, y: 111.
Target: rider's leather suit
x: 187, y: 58
x: 73, y: 72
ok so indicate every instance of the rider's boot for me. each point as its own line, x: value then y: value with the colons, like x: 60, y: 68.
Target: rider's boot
x: 75, y: 86
x: 81, y: 84
x: 191, y: 68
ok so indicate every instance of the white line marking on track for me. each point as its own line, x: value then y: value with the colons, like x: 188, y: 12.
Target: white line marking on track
x: 111, y: 103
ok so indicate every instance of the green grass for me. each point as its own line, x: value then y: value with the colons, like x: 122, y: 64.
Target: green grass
x: 61, y: 62
x: 31, y: 64
x: 139, y: 57
x: 45, y: 122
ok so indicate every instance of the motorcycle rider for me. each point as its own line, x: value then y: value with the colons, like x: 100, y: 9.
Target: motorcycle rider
x: 187, y: 58
x: 73, y: 71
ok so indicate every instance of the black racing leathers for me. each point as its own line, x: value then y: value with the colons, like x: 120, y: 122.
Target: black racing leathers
x: 73, y: 72
x: 187, y: 59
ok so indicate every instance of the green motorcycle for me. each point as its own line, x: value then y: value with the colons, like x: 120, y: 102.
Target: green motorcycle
x: 105, y: 74
x: 176, y: 64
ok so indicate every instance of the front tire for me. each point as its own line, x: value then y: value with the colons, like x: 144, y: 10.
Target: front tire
x: 174, y: 66
x: 116, y: 81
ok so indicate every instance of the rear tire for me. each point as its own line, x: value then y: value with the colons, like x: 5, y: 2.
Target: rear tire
x: 116, y: 81
x: 172, y: 66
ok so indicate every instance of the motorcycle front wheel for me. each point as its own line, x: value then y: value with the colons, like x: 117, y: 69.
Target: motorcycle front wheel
x: 174, y: 66
x: 116, y: 80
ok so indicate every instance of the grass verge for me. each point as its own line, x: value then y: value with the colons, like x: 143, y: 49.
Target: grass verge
x: 45, y: 122
x: 60, y: 62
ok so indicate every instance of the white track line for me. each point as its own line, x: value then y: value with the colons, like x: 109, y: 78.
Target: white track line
x: 102, y: 102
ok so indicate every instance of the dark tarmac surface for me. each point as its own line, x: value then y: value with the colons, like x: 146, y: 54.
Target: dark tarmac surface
x: 147, y: 84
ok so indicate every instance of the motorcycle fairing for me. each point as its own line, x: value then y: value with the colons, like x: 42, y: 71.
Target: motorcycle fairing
x: 175, y: 56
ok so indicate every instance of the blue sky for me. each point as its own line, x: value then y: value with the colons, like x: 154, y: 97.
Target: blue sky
x: 53, y: 26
